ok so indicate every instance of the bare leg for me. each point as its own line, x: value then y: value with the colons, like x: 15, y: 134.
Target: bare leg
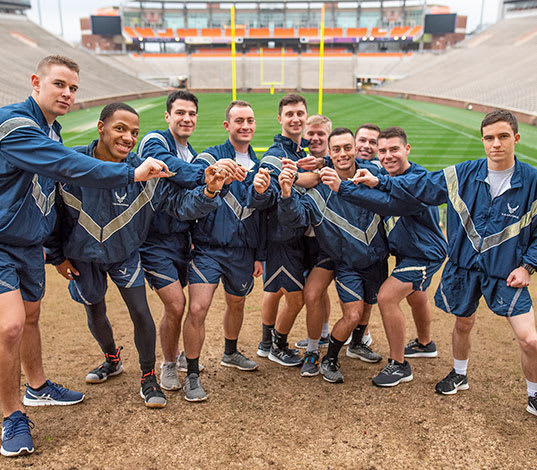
x: 461, y: 337
x: 30, y: 350
x: 200, y: 296
x: 421, y: 312
x: 352, y: 311
x: 233, y: 316
x: 317, y: 301
x: 524, y: 328
x: 174, y: 300
x: 288, y: 313
x: 269, y: 307
x: 391, y: 293
x: 12, y: 317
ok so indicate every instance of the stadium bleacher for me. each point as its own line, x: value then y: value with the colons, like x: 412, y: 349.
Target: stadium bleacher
x: 494, y: 68
x: 25, y: 43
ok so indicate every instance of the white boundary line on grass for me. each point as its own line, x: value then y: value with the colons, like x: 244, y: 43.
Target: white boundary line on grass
x: 431, y: 121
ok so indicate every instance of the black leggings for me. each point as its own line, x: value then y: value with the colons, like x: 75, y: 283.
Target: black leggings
x: 145, y: 334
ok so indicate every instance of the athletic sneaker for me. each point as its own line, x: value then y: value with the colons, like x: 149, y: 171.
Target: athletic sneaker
x: 310, y: 368
x: 169, y: 380
x: 363, y: 352
x: 263, y: 348
x: 303, y: 343
x: 532, y: 405
x: 110, y: 367
x: 415, y: 349
x: 367, y: 339
x: 393, y: 373
x: 150, y: 391
x: 285, y: 356
x: 193, y: 389
x: 51, y: 394
x: 330, y: 370
x: 16, y: 437
x: 239, y: 361
x: 451, y: 383
x: 182, y: 365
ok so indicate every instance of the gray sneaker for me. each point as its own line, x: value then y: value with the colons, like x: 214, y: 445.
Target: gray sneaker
x: 330, y: 370
x: 181, y: 363
x: 193, y: 389
x: 239, y: 361
x: 169, y: 379
x: 310, y: 368
x: 363, y: 352
x: 303, y: 343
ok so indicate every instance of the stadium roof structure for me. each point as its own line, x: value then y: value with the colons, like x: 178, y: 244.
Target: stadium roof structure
x: 289, y: 4
x: 15, y: 5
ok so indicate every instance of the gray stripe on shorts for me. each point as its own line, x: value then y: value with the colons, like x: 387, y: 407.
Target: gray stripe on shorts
x: 514, y: 301
x: 135, y: 275
x: 282, y: 269
x: 198, y: 272
x: 444, y: 298
x: 6, y: 284
x: 349, y: 291
x: 161, y: 276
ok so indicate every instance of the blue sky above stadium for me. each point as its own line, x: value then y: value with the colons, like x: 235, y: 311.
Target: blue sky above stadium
x: 72, y: 10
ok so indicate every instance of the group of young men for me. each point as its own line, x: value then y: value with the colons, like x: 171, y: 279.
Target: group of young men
x: 179, y: 219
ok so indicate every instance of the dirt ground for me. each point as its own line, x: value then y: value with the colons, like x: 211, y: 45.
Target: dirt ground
x: 273, y: 418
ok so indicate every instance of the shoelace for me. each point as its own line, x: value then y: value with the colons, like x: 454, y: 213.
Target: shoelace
x: 390, y: 367
x: 20, y: 425
x: 114, y: 358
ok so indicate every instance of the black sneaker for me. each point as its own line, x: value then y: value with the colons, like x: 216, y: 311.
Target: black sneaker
x: 452, y: 383
x: 393, y: 374
x: 110, y: 367
x: 415, y: 349
x: 285, y: 356
x: 532, y: 405
x: 150, y: 391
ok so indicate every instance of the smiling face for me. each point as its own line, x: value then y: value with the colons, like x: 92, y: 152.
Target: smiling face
x: 393, y: 155
x: 54, y: 90
x: 241, y: 125
x: 366, y: 144
x: 342, y: 152
x: 118, y: 135
x: 293, y: 120
x: 499, y: 141
x: 317, y: 134
x: 182, y: 120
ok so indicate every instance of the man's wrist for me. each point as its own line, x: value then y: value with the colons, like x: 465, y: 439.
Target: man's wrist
x: 210, y: 193
x: 529, y: 267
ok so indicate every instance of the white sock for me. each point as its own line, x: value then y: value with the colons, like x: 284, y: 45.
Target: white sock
x: 532, y: 388
x: 326, y: 330
x: 460, y: 366
x: 313, y: 345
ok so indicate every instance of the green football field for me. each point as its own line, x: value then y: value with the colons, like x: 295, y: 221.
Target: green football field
x: 439, y: 135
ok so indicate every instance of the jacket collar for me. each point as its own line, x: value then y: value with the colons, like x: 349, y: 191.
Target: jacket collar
x: 516, y: 179
x: 40, y: 117
x: 290, y: 144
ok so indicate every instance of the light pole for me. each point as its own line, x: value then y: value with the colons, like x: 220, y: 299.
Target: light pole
x: 60, y: 15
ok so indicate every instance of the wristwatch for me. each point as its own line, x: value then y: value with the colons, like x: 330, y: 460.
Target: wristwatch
x: 212, y: 193
x: 528, y: 267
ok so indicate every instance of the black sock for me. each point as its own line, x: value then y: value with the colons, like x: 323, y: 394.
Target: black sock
x: 192, y: 366
x: 267, y: 333
x: 279, y: 339
x: 334, y: 346
x: 358, y: 334
x: 231, y: 346
x: 41, y: 387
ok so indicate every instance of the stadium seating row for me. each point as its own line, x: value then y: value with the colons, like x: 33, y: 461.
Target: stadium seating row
x: 240, y: 31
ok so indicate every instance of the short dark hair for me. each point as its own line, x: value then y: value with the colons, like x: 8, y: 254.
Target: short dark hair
x: 180, y: 95
x: 236, y: 103
x: 46, y: 62
x: 340, y: 131
x: 371, y: 127
x: 394, y: 131
x: 500, y: 115
x: 292, y: 98
x: 109, y: 110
